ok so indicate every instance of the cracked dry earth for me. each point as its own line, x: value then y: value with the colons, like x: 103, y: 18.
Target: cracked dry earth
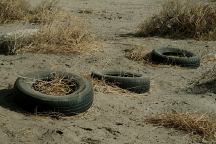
x: 113, y: 118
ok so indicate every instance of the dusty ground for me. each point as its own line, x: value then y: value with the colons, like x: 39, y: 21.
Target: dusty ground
x: 112, y: 118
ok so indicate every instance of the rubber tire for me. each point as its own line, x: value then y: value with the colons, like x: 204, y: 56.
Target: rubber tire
x: 191, y: 60
x: 72, y: 104
x: 137, y: 84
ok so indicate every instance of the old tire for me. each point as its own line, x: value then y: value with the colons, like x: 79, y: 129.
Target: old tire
x: 175, y: 56
x: 31, y: 100
x: 131, y: 81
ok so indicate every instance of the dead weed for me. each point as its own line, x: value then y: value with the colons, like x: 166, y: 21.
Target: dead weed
x: 60, y: 38
x: 182, y: 19
x: 57, y: 85
x: 59, y: 31
x: 105, y: 87
x: 191, y: 123
x: 12, y: 10
x: 21, y: 10
x: 139, y: 54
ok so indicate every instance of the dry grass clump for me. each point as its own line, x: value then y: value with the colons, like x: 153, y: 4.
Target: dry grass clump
x: 138, y: 54
x: 104, y: 87
x: 107, y: 87
x: 11, y: 10
x: 59, y: 38
x: 182, y: 19
x: 21, y: 10
x: 192, y: 123
x: 57, y: 85
x: 59, y: 32
x: 47, y: 12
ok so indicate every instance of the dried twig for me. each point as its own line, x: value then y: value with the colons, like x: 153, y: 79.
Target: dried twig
x: 192, y: 123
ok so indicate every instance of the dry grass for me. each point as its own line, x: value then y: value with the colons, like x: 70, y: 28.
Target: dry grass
x: 191, y: 123
x: 13, y: 10
x: 59, y: 38
x: 107, y: 87
x: 139, y: 54
x: 21, y: 10
x: 57, y: 85
x: 60, y: 32
x: 47, y: 12
x: 104, y: 87
x: 182, y: 19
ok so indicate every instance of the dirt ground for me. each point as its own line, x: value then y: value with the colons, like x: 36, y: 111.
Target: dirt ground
x: 113, y: 119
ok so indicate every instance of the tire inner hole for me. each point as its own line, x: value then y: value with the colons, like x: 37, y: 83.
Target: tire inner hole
x: 56, y: 85
x: 124, y: 75
x: 177, y: 54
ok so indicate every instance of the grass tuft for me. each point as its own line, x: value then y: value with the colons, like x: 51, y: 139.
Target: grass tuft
x: 47, y: 12
x: 57, y: 85
x: 59, y: 31
x: 105, y: 87
x: 139, y: 54
x: 21, y: 10
x: 59, y: 38
x: 13, y: 10
x: 182, y: 19
x: 191, y: 123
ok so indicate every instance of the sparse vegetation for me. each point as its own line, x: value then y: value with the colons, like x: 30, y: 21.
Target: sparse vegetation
x: 182, y: 19
x: 46, y: 12
x: 58, y: 85
x: 191, y: 123
x: 20, y: 10
x: 104, y: 87
x: 138, y: 54
x: 59, y: 38
x: 12, y: 10
x: 59, y: 31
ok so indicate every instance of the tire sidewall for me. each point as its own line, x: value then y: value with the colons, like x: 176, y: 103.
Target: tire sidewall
x: 28, y: 97
x: 192, y: 61
x: 138, y: 84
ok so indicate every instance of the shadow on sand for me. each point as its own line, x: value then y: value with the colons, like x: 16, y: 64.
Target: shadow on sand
x: 7, y: 100
x: 129, y: 35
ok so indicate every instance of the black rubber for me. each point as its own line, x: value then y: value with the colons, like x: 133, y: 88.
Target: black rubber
x: 175, y: 56
x: 131, y: 81
x: 72, y: 104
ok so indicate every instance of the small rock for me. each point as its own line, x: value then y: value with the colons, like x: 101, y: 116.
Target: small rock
x: 59, y: 132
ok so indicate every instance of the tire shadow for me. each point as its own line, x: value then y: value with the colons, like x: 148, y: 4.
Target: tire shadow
x: 7, y: 100
x: 129, y: 35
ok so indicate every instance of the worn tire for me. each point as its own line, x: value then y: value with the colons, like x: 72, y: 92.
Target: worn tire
x: 131, y: 81
x: 31, y: 100
x: 175, y: 56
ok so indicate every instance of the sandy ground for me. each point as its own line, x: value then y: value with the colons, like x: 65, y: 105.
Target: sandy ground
x: 113, y: 119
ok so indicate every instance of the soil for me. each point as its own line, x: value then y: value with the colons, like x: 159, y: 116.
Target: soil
x: 113, y: 119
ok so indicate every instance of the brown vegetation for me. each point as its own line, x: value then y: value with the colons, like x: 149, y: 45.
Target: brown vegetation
x: 20, y: 10
x: 59, y: 31
x: 105, y: 87
x: 182, y: 19
x: 191, y: 123
x: 57, y: 85
x: 139, y: 54
x: 60, y: 38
